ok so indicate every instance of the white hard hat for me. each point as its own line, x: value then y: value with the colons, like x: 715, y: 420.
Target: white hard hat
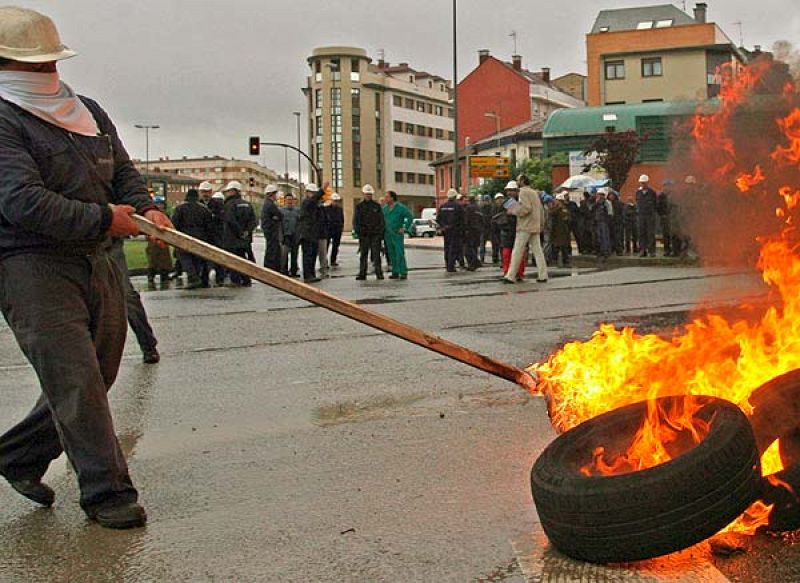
x: 336, y: 196
x: 270, y: 189
x: 690, y: 180
x: 367, y: 189
x: 512, y: 185
x: 311, y: 187
x: 644, y: 178
x: 217, y: 195
x: 205, y: 185
x: 233, y: 185
x: 30, y: 37
x: 459, y: 196
x: 452, y: 193
x: 499, y: 195
x: 561, y: 196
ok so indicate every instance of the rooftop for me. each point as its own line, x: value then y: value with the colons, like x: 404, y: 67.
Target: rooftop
x: 642, y: 17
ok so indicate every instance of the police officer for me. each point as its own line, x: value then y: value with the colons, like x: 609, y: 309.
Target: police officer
x: 335, y: 219
x: 239, y: 222
x: 194, y: 219
x: 368, y: 224
x: 272, y: 227
x: 62, y: 294
x: 473, y: 228
x: 216, y: 205
x: 451, y: 222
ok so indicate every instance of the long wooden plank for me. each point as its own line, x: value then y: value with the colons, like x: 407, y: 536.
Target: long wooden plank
x: 338, y: 305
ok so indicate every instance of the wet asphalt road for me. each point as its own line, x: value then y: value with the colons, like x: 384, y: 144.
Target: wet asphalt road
x: 278, y: 442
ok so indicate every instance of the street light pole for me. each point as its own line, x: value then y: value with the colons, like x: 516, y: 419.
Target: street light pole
x: 146, y: 129
x: 456, y: 163
x: 299, y: 168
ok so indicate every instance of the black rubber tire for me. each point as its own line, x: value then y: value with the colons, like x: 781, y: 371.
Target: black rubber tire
x: 653, y: 512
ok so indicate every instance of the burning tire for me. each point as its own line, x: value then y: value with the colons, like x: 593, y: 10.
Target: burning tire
x: 655, y: 511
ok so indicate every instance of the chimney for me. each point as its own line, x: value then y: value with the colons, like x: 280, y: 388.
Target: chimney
x: 546, y: 74
x: 517, y: 62
x: 700, y: 12
x: 483, y: 54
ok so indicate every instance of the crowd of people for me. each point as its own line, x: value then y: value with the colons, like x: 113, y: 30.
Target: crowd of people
x: 520, y: 223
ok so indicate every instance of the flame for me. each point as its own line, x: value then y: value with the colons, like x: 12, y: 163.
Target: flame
x: 713, y: 355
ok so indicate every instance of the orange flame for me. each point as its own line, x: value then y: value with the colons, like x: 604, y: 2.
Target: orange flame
x: 713, y: 355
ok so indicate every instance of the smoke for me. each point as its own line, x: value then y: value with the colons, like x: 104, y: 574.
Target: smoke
x: 785, y: 52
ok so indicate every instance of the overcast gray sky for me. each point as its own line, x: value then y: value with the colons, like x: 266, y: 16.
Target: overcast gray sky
x: 213, y: 72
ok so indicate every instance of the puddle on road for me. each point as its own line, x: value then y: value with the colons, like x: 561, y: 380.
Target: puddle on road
x: 362, y: 410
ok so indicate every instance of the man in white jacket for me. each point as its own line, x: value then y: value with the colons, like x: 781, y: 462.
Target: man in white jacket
x: 530, y: 222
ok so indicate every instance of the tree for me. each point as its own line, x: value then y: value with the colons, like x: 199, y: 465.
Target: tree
x: 538, y: 170
x: 617, y: 153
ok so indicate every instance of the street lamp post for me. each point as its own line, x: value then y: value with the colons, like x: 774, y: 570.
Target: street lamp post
x: 146, y: 129
x: 456, y: 163
x: 299, y: 168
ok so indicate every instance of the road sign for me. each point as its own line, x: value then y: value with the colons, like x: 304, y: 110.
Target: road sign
x: 490, y: 172
x: 479, y: 161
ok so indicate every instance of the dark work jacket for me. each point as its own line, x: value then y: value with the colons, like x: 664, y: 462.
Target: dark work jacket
x: 662, y: 204
x: 335, y: 216
x: 271, y: 220
x: 240, y: 221
x: 473, y: 219
x: 451, y: 218
x: 646, y: 201
x: 368, y: 219
x: 55, y: 186
x: 194, y: 219
x: 309, y: 219
x: 217, y: 206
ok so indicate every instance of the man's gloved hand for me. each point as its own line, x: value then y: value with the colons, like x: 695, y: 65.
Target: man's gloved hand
x: 161, y: 221
x: 122, y: 224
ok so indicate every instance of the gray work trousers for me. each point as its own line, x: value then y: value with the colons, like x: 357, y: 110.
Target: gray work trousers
x: 68, y: 316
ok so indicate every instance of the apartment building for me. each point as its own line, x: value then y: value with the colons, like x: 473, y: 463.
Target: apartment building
x: 217, y: 170
x: 376, y: 123
x: 656, y: 53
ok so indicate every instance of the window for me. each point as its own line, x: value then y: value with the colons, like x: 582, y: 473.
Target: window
x: 354, y: 74
x: 651, y: 67
x: 335, y: 69
x: 356, y: 176
x: 451, y: 136
x: 398, y: 152
x: 398, y: 126
x: 317, y: 98
x: 319, y: 125
x: 428, y: 108
x: 409, y: 103
x: 398, y: 177
x: 422, y: 179
x: 421, y: 106
x: 652, y: 100
x: 397, y: 100
x: 410, y: 153
x: 336, y: 100
x: 411, y: 178
x: 603, y: 29
x: 355, y: 98
x: 664, y: 23
x: 644, y: 25
x: 615, y: 70
x: 317, y: 71
x: 422, y: 155
x: 438, y: 110
x: 421, y: 131
x: 410, y: 129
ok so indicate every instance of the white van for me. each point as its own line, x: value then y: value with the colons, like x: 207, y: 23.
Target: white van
x: 428, y: 214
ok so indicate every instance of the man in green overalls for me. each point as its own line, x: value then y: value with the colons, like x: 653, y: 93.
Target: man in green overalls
x: 397, y: 219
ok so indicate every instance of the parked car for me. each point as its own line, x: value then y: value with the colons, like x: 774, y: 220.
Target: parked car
x: 422, y: 228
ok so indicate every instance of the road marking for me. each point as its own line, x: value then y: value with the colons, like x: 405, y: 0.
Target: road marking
x: 540, y: 563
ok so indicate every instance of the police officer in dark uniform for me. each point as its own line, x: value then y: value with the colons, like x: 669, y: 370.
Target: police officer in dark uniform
x: 451, y: 220
x: 67, y: 187
x: 194, y: 219
x: 217, y: 207
x: 473, y: 228
x: 240, y: 221
x: 271, y: 226
x: 368, y: 224
x: 335, y: 216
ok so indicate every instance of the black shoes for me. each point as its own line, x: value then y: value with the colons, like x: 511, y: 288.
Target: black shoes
x: 393, y: 276
x: 150, y: 356
x: 361, y: 277
x: 120, y: 516
x: 34, y: 490
x: 312, y: 280
x: 403, y: 276
x: 541, y: 281
x: 379, y: 276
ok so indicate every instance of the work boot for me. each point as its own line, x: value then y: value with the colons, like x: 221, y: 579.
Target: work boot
x: 34, y: 490
x: 150, y: 355
x: 361, y: 277
x: 121, y: 516
x: 379, y: 276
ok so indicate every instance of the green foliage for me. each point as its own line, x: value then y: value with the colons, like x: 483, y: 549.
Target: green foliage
x: 136, y: 253
x: 537, y: 169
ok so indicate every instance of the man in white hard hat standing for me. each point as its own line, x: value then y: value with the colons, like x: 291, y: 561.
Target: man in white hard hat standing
x: 67, y: 187
x: 271, y: 226
x: 646, y: 199
x: 368, y: 225
x: 530, y: 223
x: 240, y: 221
x: 335, y: 216
x: 308, y: 230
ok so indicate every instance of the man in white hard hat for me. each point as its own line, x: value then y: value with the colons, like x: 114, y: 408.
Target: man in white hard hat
x: 530, y: 223
x: 309, y: 223
x: 206, y: 190
x: 646, y: 204
x: 272, y: 226
x: 368, y: 225
x: 67, y: 188
x: 451, y: 221
x: 335, y: 219
x: 240, y: 221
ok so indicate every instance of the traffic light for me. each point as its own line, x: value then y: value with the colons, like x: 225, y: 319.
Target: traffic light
x: 255, y: 145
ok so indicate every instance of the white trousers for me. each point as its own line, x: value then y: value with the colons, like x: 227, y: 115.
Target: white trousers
x: 521, y: 241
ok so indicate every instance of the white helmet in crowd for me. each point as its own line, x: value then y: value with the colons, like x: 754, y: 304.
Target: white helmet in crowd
x: 311, y: 187
x: 644, y: 178
x: 367, y: 189
x: 512, y: 185
x: 217, y: 195
x: 452, y: 194
x: 30, y: 37
x: 233, y: 185
x: 271, y: 189
x: 205, y: 185
x: 336, y: 196
x: 499, y: 195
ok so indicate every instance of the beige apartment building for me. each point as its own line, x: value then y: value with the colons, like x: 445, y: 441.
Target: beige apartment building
x: 377, y: 124
x: 656, y: 53
x: 218, y: 171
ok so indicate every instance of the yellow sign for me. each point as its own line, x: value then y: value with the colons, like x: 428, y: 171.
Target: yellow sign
x: 478, y: 161
x: 490, y: 172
